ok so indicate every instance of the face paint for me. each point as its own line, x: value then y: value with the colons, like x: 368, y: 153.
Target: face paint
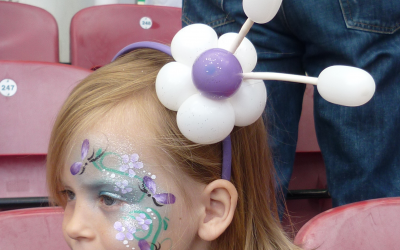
x: 149, y: 188
x: 78, y: 166
x: 141, y: 220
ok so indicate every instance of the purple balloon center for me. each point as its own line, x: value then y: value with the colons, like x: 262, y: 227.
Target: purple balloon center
x: 217, y: 73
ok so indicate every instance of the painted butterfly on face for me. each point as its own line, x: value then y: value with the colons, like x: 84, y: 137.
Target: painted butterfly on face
x: 77, y: 166
x: 149, y: 187
x: 143, y: 245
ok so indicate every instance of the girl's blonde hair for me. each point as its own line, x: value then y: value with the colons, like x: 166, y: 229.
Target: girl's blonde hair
x: 132, y: 77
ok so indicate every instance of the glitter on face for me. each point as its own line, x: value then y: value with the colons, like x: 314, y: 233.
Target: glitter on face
x: 118, y: 179
x: 122, y: 186
x: 141, y: 219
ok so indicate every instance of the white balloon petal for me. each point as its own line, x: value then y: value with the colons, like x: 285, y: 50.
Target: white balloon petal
x: 249, y: 102
x: 174, y: 85
x: 206, y: 121
x: 191, y: 41
x: 261, y: 11
x: 246, y: 52
x: 345, y: 85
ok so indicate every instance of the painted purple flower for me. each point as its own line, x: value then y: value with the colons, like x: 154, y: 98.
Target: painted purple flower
x: 76, y: 167
x: 141, y: 219
x: 129, y: 163
x: 131, y: 173
x: 124, y: 232
x: 122, y: 185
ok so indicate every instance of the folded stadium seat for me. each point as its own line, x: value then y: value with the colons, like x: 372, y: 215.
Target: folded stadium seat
x: 367, y: 225
x: 26, y: 119
x: 99, y: 32
x: 27, y: 33
x: 33, y: 229
x: 308, y: 194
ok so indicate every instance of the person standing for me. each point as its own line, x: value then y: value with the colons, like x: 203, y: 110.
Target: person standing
x: 360, y: 145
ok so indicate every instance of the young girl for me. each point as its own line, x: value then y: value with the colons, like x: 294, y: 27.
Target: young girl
x: 128, y: 179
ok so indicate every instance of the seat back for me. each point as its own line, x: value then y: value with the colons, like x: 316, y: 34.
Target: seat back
x: 27, y: 33
x: 307, y: 139
x: 367, y: 225
x: 99, y: 32
x: 33, y: 229
x: 308, y: 170
x: 26, y: 120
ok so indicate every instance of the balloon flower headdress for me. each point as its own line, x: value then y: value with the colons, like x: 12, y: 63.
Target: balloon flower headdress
x: 212, y: 88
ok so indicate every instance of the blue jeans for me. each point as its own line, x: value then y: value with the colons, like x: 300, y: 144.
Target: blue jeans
x: 360, y: 145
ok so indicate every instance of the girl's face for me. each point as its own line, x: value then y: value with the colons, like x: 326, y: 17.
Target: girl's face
x: 123, y: 194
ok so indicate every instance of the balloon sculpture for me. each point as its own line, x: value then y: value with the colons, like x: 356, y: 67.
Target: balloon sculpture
x: 213, y: 89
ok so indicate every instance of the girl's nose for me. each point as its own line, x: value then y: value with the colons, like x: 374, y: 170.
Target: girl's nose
x: 77, y: 222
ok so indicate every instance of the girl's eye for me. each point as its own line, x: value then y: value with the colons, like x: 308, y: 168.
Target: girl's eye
x: 70, y: 195
x: 107, y: 200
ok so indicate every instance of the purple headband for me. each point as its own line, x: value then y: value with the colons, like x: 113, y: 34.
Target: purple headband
x: 226, y: 143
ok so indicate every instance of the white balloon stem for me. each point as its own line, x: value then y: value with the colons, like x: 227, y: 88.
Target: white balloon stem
x: 242, y: 33
x: 280, y: 77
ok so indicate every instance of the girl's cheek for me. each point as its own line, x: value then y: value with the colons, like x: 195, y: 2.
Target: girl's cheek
x: 130, y: 196
x: 141, y: 225
x: 140, y: 217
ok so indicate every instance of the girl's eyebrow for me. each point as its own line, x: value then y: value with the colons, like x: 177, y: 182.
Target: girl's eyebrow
x: 63, y: 183
x: 97, y: 184
x: 64, y: 187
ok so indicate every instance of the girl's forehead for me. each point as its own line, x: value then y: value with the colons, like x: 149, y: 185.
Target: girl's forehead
x: 115, y: 133
x: 122, y: 126
x: 111, y: 140
x: 102, y: 157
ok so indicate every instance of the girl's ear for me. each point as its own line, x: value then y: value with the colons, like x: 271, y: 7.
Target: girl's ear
x: 218, y: 200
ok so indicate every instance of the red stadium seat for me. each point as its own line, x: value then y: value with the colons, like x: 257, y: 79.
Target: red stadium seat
x: 309, y: 169
x: 366, y: 225
x: 99, y: 32
x: 307, y: 139
x: 27, y: 33
x: 33, y: 229
x: 26, y: 120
